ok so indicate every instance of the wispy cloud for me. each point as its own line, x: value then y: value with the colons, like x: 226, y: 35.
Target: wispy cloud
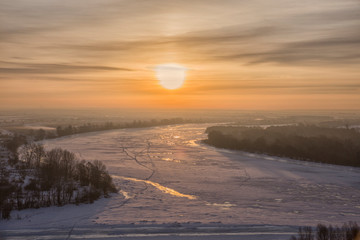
x: 275, y: 89
x: 47, y: 68
x: 337, y: 50
x: 281, y: 44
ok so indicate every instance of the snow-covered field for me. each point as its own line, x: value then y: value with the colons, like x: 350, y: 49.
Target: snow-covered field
x: 171, y: 183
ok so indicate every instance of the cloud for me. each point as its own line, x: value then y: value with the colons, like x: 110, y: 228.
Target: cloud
x: 38, y: 68
x: 203, y: 45
x: 333, y: 51
x: 276, y: 89
x: 329, y: 51
x: 252, y: 32
x: 330, y: 37
x: 267, y: 88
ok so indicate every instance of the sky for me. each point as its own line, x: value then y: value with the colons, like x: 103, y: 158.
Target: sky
x: 238, y: 54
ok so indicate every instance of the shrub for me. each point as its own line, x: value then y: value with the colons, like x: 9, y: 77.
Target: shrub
x: 349, y: 231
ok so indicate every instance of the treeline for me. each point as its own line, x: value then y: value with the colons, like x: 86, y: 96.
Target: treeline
x: 70, y: 129
x: 13, y: 143
x: 339, y: 146
x: 349, y: 231
x: 39, y: 178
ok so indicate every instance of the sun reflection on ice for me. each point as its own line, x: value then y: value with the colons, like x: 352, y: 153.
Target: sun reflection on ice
x: 225, y: 205
x: 160, y: 187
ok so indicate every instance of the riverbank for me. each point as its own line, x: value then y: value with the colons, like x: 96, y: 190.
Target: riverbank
x: 340, y: 146
x: 229, y: 187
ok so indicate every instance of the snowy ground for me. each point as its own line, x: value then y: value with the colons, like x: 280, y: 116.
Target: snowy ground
x: 174, y: 187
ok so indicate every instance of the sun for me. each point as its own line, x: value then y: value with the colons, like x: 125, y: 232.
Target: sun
x: 171, y: 75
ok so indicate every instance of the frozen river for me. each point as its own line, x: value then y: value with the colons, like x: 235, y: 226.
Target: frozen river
x: 167, y: 176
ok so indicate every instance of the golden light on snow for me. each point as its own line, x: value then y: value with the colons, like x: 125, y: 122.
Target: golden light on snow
x: 158, y: 186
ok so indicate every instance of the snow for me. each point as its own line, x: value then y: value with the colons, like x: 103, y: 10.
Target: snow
x: 5, y: 132
x: 168, y: 177
x: 38, y: 127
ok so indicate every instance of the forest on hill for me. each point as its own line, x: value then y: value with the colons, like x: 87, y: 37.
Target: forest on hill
x: 32, y: 177
x: 339, y: 146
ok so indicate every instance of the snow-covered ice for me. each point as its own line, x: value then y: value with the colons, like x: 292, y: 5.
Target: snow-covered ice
x: 167, y: 176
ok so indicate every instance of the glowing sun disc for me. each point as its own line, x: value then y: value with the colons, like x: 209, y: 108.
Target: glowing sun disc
x: 171, y: 75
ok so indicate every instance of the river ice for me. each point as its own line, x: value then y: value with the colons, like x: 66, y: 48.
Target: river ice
x: 166, y: 175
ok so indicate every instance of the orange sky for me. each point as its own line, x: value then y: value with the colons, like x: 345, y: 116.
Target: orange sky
x: 261, y: 54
